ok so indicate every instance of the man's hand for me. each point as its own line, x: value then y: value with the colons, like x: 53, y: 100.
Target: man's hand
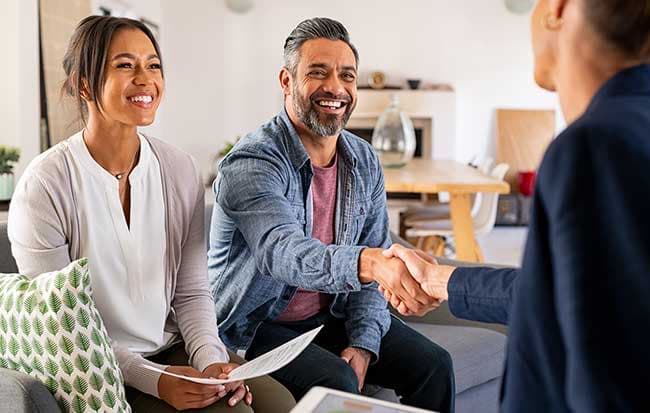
x: 241, y: 391
x: 433, y: 278
x: 393, y: 275
x: 358, y: 359
x: 182, y: 394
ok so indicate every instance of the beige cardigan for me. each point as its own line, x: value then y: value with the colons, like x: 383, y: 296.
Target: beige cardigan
x: 45, y: 236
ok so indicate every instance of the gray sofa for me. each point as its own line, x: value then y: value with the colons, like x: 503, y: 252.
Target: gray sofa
x: 477, y: 351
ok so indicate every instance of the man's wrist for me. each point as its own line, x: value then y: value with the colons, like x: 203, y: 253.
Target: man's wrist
x: 367, y: 262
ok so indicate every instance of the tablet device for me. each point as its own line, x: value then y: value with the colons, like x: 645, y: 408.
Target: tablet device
x: 323, y: 400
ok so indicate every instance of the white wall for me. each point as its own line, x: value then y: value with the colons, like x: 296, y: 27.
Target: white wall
x: 19, y: 81
x: 222, y: 67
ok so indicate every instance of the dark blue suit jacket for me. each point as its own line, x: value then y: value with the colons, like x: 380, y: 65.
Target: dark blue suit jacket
x: 579, y: 309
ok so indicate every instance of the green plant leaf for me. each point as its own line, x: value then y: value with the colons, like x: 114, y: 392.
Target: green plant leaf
x: 3, y: 345
x: 67, y: 322
x: 12, y: 365
x: 27, y: 368
x: 3, y: 363
x: 26, y: 346
x: 59, y: 281
x: 109, y: 398
x: 3, y: 324
x: 83, y: 297
x: 82, y: 341
x: 96, y: 381
x: 14, y: 346
x: 51, y: 367
x: 96, y: 337
x: 36, y: 345
x: 82, y: 363
x: 66, y: 345
x: 38, y: 326
x: 109, y: 377
x: 94, y: 402
x: 55, y: 303
x: 13, y: 324
x: 65, y: 386
x: 9, y: 302
x: 75, y: 277
x: 80, y: 385
x: 66, y: 366
x: 30, y: 303
x: 25, y: 326
x: 18, y: 304
x: 85, y: 276
x: 51, y: 384
x: 51, y: 347
x: 8, y: 157
x: 97, y: 359
x: 43, y: 308
x: 52, y: 326
x: 83, y: 318
x: 36, y: 364
x: 69, y: 299
x: 78, y: 405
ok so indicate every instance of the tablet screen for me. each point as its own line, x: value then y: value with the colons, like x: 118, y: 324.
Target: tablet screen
x: 337, y: 404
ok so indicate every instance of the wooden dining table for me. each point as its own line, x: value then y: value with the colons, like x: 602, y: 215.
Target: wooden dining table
x: 428, y: 176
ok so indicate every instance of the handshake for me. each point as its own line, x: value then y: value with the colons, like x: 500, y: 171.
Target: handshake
x: 411, y: 280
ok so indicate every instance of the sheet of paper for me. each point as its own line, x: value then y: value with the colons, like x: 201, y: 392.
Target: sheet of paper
x: 265, y: 364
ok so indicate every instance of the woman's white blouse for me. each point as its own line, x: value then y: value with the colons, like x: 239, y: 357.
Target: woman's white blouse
x: 126, y: 262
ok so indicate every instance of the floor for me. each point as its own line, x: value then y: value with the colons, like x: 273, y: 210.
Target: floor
x: 504, y: 245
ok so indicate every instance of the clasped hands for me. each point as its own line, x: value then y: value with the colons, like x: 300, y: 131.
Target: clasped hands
x: 411, y: 280
x: 183, y: 394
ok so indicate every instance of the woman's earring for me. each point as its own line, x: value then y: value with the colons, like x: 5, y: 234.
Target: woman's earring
x: 552, y: 22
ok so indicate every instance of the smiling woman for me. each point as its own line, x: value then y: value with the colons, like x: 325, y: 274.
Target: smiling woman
x: 134, y: 206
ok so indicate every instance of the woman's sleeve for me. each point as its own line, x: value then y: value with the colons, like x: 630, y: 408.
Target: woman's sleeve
x: 36, y: 229
x: 192, y: 300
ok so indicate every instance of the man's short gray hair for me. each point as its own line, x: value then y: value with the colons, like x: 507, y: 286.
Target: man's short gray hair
x: 316, y: 28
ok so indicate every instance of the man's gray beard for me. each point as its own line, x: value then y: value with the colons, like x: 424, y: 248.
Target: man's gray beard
x: 310, y: 118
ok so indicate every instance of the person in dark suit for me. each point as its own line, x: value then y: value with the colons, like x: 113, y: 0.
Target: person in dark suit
x: 578, y: 310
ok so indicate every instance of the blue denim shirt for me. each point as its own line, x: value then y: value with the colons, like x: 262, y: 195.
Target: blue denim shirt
x: 261, y: 249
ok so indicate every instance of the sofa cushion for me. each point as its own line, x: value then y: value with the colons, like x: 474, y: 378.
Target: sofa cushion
x: 477, y: 353
x: 24, y: 394
x: 7, y: 263
x: 51, y: 330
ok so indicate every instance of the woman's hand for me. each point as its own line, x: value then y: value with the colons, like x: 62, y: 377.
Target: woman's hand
x: 183, y: 394
x: 241, y: 391
x: 433, y: 278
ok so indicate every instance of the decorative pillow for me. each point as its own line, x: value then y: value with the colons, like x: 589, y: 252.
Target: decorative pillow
x: 51, y: 330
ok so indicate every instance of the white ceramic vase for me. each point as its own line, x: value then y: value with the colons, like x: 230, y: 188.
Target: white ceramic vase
x: 6, y: 186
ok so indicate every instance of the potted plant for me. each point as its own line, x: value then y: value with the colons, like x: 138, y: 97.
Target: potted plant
x: 218, y: 157
x: 8, y: 158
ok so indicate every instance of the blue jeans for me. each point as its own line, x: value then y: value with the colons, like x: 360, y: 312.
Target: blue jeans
x: 417, y: 369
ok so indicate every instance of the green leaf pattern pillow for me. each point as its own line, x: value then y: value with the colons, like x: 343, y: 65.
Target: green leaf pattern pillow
x: 51, y: 330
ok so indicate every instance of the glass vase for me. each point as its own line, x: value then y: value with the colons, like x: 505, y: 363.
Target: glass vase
x: 394, y: 137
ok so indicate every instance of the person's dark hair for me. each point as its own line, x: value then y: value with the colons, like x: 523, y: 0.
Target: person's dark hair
x: 624, y: 24
x: 316, y: 28
x: 85, y: 59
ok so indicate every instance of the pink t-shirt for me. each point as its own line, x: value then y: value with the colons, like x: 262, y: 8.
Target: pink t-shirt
x: 306, y: 303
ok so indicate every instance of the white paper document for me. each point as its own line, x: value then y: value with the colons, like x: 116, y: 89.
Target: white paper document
x: 262, y: 365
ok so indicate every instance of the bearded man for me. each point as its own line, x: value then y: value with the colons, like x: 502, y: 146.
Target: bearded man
x: 297, y: 233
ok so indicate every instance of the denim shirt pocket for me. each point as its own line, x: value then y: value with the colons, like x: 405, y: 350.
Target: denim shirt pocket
x: 359, y: 214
